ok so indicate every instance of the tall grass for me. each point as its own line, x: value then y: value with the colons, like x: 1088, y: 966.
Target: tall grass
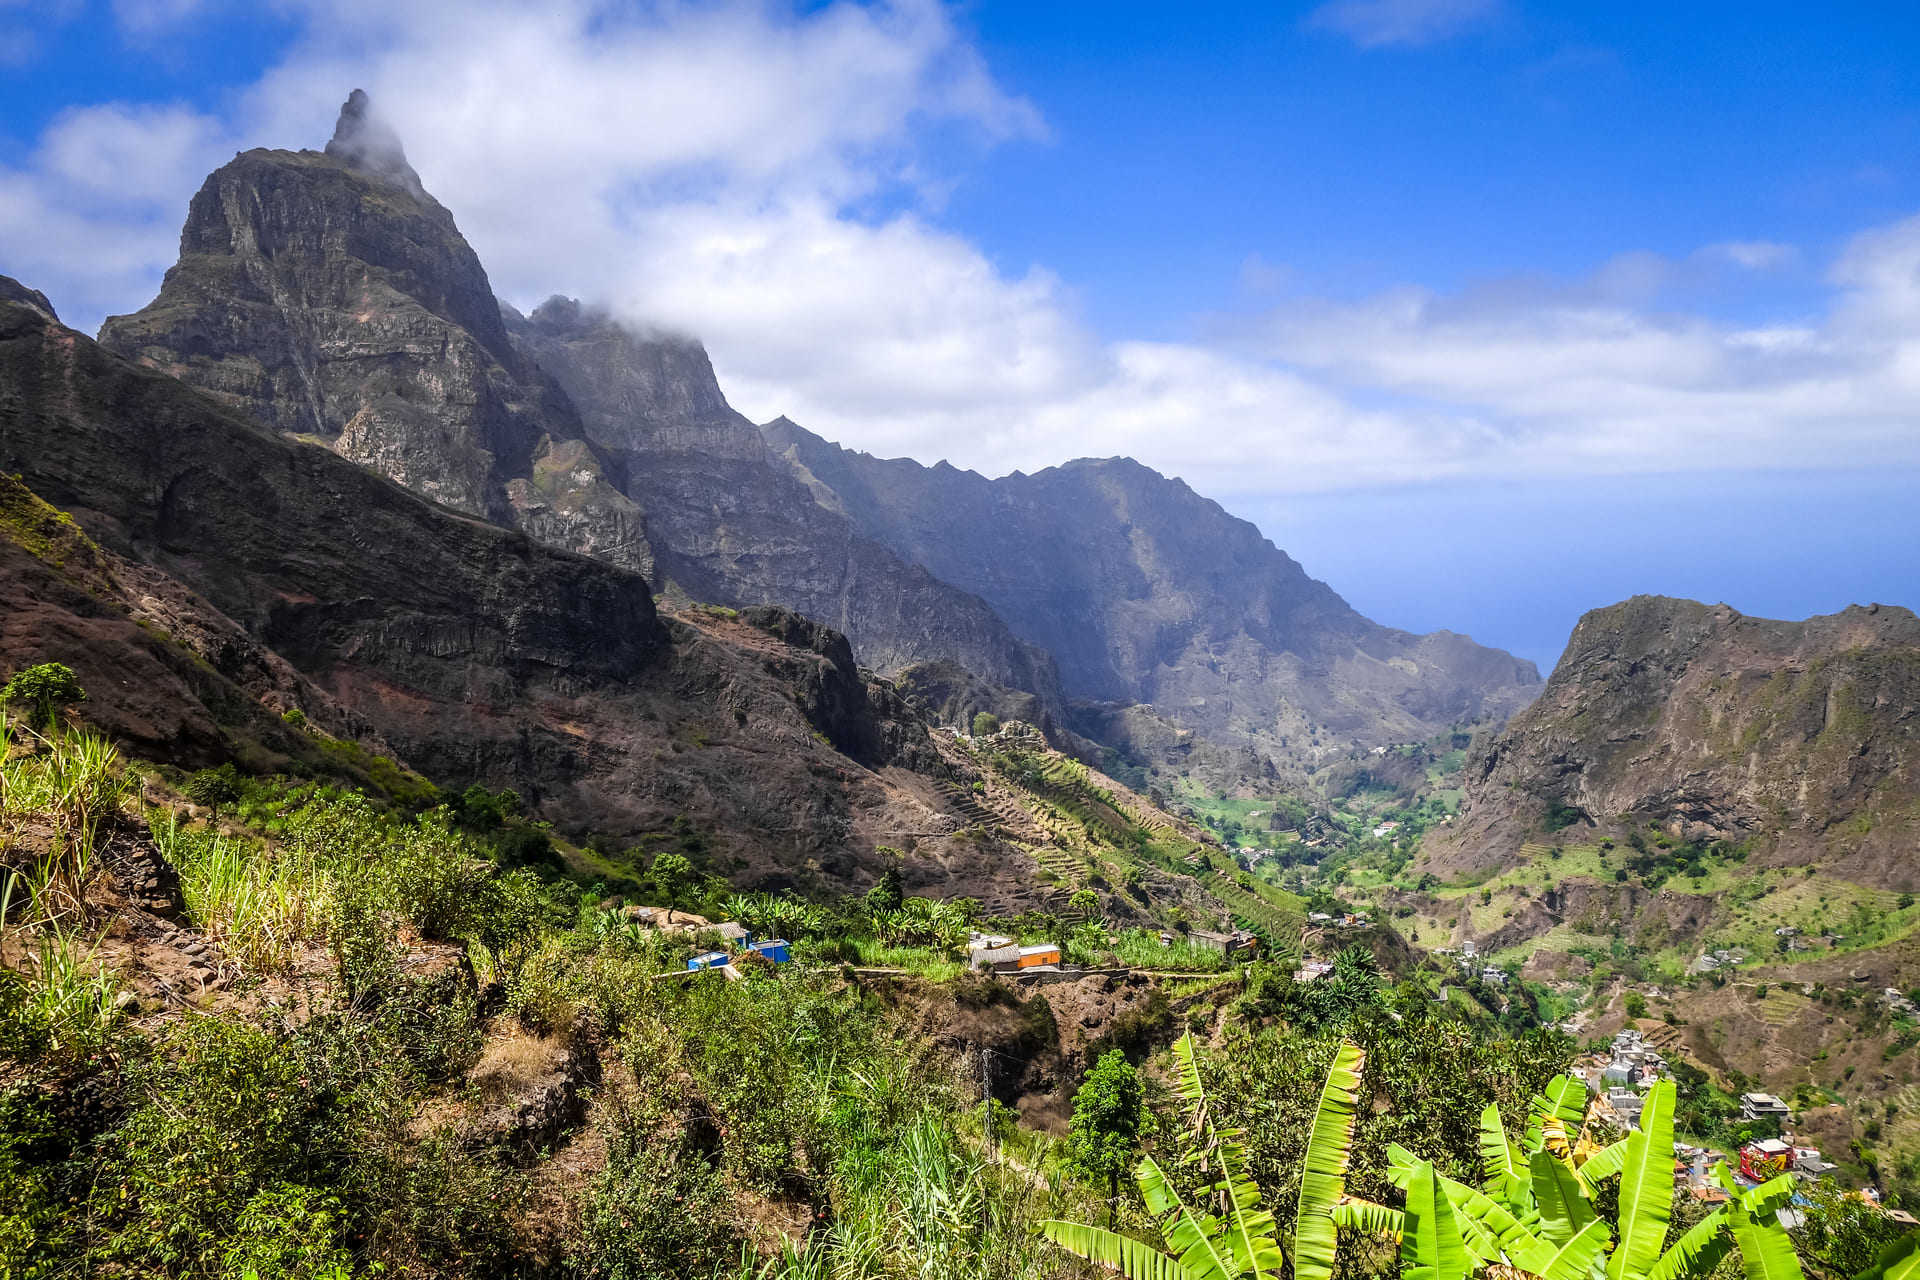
x: 1141, y: 949
x: 70, y: 993
x: 257, y: 906
x: 65, y: 784
x: 71, y: 782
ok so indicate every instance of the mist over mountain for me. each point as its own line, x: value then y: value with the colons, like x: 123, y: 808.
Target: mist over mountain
x: 328, y: 295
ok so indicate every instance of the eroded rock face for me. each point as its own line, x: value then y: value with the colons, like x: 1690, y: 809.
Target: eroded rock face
x: 1146, y: 592
x: 329, y: 296
x: 1803, y: 737
x: 473, y: 651
x: 731, y: 524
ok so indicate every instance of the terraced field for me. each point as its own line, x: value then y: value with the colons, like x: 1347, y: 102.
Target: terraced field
x: 1782, y: 1005
x: 1281, y: 924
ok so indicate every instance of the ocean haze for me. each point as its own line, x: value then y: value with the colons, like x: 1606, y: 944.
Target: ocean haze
x: 1516, y: 565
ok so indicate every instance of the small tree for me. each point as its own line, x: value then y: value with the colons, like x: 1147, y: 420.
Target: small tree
x: 1084, y: 902
x: 479, y: 808
x: 1106, y: 1123
x: 215, y: 788
x: 1636, y: 1005
x: 46, y: 687
x: 985, y: 724
x: 672, y: 873
x: 886, y: 897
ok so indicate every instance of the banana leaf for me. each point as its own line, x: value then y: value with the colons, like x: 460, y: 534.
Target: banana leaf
x: 1193, y: 1237
x: 1122, y: 1254
x: 1323, y: 1181
x: 1506, y: 1169
x: 1697, y: 1252
x: 1646, y: 1188
x: 1898, y: 1261
x: 1492, y: 1231
x: 1562, y: 1201
x: 1603, y: 1164
x: 1430, y: 1243
x: 1766, y: 1250
x: 1574, y: 1260
x: 1367, y: 1217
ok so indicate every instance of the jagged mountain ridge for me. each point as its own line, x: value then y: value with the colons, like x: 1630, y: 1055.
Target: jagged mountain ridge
x: 330, y: 296
x: 1800, y: 737
x: 210, y: 573
x: 729, y: 523
x: 1146, y: 592
x: 341, y: 302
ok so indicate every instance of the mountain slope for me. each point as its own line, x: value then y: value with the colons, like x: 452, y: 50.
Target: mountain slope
x: 730, y: 524
x: 205, y: 574
x: 1802, y: 738
x: 472, y: 651
x: 1146, y: 592
x: 330, y: 297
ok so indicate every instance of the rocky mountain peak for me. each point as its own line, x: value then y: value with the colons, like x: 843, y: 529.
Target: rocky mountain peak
x: 1801, y: 739
x: 368, y: 143
x: 12, y: 290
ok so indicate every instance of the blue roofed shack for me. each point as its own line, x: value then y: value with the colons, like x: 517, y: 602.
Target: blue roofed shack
x: 774, y: 949
x: 709, y: 960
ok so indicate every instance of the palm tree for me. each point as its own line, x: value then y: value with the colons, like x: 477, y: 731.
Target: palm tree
x: 1229, y: 1234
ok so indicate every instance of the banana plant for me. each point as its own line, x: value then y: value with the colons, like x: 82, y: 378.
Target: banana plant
x: 1323, y: 1181
x: 1898, y: 1261
x: 1544, y: 1223
x: 1229, y: 1234
x: 1753, y: 1220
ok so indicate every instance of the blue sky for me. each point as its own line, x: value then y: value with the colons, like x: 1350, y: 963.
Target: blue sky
x: 1488, y: 311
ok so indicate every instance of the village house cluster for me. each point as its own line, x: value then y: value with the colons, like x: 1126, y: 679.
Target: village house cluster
x: 1724, y: 958
x: 1467, y: 959
x: 740, y: 941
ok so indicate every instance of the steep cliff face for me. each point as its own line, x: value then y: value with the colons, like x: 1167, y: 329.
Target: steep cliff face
x: 204, y: 574
x: 329, y: 296
x: 1802, y: 738
x: 1146, y: 592
x: 299, y: 579
x: 731, y: 524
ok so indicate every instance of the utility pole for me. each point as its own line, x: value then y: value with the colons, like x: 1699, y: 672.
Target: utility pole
x: 986, y: 1097
x: 986, y: 1128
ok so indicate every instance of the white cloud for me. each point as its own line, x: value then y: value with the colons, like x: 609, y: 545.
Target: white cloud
x: 702, y: 168
x: 1578, y: 384
x: 146, y: 17
x: 1375, y: 24
x: 1754, y: 255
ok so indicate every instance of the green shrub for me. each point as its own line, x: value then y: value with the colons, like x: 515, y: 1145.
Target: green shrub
x: 1106, y: 1121
x: 657, y: 1213
x: 215, y: 789
x: 289, y: 1231
x: 362, y: 941
x: 521, y: 846
x: 45, y: 688
x: 888, y: 895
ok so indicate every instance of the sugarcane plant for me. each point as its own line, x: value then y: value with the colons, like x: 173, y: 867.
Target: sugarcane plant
x: 1228, y: 1233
